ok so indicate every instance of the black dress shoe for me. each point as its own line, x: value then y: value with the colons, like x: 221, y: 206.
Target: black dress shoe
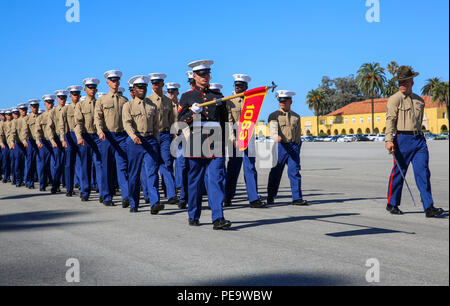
x: 108, y: 203
x: 394, y: 210
x: 85, y: 199
x: 221, y: 224
x: 432, y: 212
x: 69, y: 194
x: 193, y: 222
x: 270, y: 200
x: 300, y: 203
x: 182, y: 205
x: 126, y: 203
x: 100, y: 200
x: 257, y: 204
x: 134, y: 210
x: 156, y: 208
x: 42, y: 189
x: 147, y: 201
x: 226, y: 203
x: 173, y: 201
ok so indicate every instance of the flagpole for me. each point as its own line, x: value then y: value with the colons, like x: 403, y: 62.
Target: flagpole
x: 234, y: 96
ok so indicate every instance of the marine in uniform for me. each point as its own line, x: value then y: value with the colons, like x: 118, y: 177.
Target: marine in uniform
x: 5, y: 174
x: 166, y: 120
x: 141, y: 122
x: 285, y: 129
x: 32, y: 149
x: 235, y: 161
x: 191, y: 80
x: 57, y: 156
x: 404, y: 138
x: 88, y: 141
x: 181, y: 164
x: 108, y: 122
x: 66, y: 126
x: 19, y: 144
x: 216, y: 88
x: 43, y: 138
x: 7, y: 129
x: 206, y: 157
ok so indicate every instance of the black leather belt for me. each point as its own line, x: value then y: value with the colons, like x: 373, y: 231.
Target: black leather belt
x: 415, y: 133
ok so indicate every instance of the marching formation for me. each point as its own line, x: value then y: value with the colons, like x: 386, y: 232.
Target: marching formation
x: 109, y: 143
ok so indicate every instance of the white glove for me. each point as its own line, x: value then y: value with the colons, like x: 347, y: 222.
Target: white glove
x: 195, y: 109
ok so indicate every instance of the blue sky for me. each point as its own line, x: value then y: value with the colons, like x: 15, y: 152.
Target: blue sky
x: 293, y: 43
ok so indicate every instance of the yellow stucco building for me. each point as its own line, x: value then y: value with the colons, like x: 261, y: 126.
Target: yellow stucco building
x: 356, y: 118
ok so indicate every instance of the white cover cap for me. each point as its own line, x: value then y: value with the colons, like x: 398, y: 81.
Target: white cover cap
x: 157, y: 76
x: 139, y: 79
x: 201, y: 65
x: 91, y: 81
x: 173, y: 86
x: 61, y: 92
x: 285, y: 94
x: 113, y: 74
x: 48, y: 97
x: 74, y: 88
x: 215, y: 86
x: 241, y: 78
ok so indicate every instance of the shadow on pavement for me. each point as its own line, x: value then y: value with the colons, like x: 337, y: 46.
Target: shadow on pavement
x: 282, y: 279
x: 35, y: 220
x: 247, y: 224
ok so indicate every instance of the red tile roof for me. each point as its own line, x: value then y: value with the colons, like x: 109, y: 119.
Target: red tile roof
x: 379, y: 106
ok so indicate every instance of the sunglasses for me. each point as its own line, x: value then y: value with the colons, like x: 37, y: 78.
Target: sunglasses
x: 62, y: 97
x: 114, y: 80
x: 91, y: 86
x: 75, y: 93
x: 158, y: 82
x: 203, y: 72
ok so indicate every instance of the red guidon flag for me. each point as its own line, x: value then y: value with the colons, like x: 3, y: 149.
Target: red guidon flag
x: 253, y: 100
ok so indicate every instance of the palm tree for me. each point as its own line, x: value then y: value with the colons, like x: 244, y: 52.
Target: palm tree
x: 440, y: 93
x: 371, y: 80
x: 391, y: 86
x: 392, y: 67
x: 430, y: 84
x: 315, y: 101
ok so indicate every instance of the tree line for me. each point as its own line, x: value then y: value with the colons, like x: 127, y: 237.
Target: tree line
x: 371, y: 82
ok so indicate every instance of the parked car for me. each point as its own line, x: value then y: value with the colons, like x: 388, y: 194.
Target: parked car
x: 430, y: 136
x: 380, y: 137
x: 347, y: 138
x: 335, y: 138
x: 442, y: 136
x: 307, y: 138
x: 327, y: 139
x: 371, y: 137
x: 362, y: 138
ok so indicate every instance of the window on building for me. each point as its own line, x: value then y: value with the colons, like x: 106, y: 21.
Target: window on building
x: 378, y: 118
x: 425, y: 116
x: 322, y: 122
x: 331, y: 121
x: 369, y: 119
x: 345, y: 120
x: 361, y: 120
x: 444, y: 115
x: 353, y: 120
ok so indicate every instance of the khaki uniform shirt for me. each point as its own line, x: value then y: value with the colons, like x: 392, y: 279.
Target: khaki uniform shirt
x: 285, y: 124
x: 41, y: 127
x: 2, y: 133
x: 234, y: 107
x: 23, y: 133
x: 165, y: 109
x: 108, y: 113
x: 67, y: 122
x: 84, y: 118
x: 404, y: 113
x: 141, y: 118
x: 31, y: 123
x: 53, y: 119
x: 8, y: 125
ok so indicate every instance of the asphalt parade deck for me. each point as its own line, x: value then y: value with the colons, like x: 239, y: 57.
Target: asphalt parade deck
x: 326, y: 243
